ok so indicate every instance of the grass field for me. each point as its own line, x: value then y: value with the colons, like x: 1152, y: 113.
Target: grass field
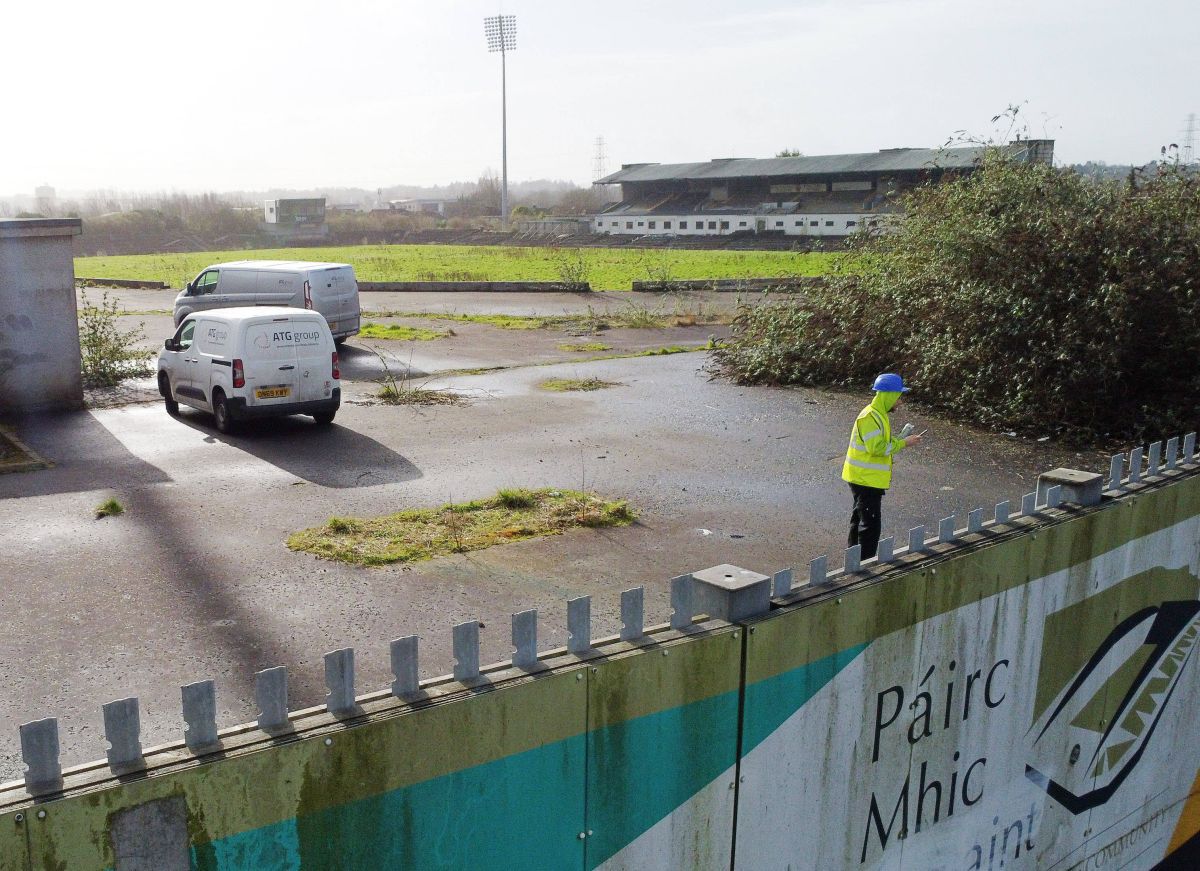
x: 607, y: 268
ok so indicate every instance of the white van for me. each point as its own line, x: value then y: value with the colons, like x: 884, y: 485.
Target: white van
x: 242, y: 363
x: 329, y: 288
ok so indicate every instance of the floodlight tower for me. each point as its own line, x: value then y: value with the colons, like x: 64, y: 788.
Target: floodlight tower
x: 501, y: 33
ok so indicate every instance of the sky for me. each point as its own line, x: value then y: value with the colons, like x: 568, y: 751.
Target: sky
x: 141, y: 96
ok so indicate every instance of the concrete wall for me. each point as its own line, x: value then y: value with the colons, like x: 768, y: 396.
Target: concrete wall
x: 39, y: 326
x: 1018, y: 693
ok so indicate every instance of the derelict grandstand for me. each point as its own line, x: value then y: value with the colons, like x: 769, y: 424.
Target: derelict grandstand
x: 828, y: 195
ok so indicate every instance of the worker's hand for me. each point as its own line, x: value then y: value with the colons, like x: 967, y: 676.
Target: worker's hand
x: 914, y: 439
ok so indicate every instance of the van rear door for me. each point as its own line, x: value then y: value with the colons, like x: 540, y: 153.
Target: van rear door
x: 335, y: 295
x: 314, y: 357
x: 272, y: 376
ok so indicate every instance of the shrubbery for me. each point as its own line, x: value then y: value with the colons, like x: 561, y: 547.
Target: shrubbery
x: 1020, y: 296
x: 108, y: 354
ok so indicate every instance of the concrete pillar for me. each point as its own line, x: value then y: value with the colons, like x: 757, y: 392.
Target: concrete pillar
x: 39, y: 325
x: 730, y: 593
x: 1083, y: 488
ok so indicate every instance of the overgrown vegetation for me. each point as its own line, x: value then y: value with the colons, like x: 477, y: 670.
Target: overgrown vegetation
x: 604, y: 268
x: 1019, y: 296
x: 583, y: 347
x: 421, y: 534
x: 109, y: 508
x: 108, y: 354
x: 395, y: 390
x: 568, y: 385
x: 400, y: 333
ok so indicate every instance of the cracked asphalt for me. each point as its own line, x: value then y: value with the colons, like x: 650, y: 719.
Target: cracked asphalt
x: 194, y: 580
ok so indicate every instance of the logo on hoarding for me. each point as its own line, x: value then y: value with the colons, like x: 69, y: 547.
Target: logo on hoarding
x: 1097, y: 711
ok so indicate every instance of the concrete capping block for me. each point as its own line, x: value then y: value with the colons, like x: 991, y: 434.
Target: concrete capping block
x: 466, y: 650
x: 524, y: 639
x: 1082, y: 488
x: 633, y: 613
x: 123, y: 731
x: 975, y: 520
x: 731, y: 593
x: 40, y: 753
x: 916, y: 539
x: 339, y: 678
x: 404, y: 652
x: 579, y: 624
x: 818, y: 570
x: 886, y: 550
x: 682, y: 608
x: 271, y: 696
x: 199, y: 714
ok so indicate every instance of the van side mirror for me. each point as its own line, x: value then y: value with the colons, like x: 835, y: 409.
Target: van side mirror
x: 171, y: 345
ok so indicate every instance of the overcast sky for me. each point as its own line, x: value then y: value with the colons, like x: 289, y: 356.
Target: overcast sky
x: 141, y: 95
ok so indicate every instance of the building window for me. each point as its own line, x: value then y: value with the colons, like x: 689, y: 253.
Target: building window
x: 629, y: 225
x: 798, y: 224
x: 741, y: 223
x: 653, y: 225
x: 829, y: 223
x: 852, y: 223
x: 683, y: 225
x: 614, y: 223
x: 779, y: 223
x: 666, y: 225
x: 724, y: 225
x: 814, y: 223
x: 712, y: 225
x: 643, y: 223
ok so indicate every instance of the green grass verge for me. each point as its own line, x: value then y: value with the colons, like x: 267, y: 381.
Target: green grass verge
x: 399, y: 332
x: 607, y: 268
x: 583, y: 347
x: 424, y: 533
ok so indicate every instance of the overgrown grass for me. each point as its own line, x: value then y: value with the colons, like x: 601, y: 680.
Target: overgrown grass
x: 421, y: 534
x: 583, y: 347
x: 572, y: 385
x: 109, y: 508
x: 632, y: 315
x: 605, y: 268
x: 401, y: 393
x: 400, y: 332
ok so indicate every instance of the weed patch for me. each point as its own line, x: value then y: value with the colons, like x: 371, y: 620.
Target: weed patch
x: 570, y: 385
x: 421, y: 534
x: 584, y: 347
x: 399, y: 332
x: 109, y: 508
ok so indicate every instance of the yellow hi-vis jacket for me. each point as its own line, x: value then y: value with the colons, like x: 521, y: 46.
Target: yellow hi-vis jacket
x: 869, y: 456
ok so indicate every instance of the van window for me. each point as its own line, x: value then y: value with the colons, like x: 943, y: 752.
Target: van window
x: 186, y: 333
x: 207, y: 282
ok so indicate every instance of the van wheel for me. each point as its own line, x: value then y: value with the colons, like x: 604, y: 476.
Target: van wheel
x: 221, y: 413
x: 164, y: 387
x: 324, y: 418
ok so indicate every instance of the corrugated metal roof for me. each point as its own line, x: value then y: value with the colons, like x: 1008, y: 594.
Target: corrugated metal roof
x: 890, y: 160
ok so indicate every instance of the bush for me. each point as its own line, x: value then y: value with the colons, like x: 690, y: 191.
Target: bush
x: 1020, y: 296
x: 108, y: 354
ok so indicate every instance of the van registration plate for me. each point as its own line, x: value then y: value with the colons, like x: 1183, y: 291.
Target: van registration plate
x: 272, y: 392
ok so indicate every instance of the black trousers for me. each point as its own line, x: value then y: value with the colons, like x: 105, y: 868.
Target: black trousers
x: 866, y: 520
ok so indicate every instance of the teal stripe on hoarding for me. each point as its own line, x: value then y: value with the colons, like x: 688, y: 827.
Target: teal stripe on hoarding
x: 770, y: 702
x: 642, y: 770
x: 523, y: 811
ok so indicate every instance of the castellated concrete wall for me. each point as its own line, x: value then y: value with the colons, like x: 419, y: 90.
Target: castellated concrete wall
x: 39, y: 327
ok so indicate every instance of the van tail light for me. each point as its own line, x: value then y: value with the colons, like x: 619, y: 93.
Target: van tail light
x: 239, y: 374
x: 307, y: 295
x: 337, y: 372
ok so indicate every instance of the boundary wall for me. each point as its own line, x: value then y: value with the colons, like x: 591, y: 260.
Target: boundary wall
x: 1020, y: 692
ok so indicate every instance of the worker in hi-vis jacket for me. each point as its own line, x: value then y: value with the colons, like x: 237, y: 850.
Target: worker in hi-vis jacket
x: 868, y: 466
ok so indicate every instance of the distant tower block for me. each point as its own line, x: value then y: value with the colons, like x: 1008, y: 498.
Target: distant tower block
x: 1189, y: 139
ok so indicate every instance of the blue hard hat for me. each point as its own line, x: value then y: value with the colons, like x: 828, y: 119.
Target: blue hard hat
x: 889, y: 382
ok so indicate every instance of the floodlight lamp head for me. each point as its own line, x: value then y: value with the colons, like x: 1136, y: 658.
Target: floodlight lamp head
x: 500, y: 32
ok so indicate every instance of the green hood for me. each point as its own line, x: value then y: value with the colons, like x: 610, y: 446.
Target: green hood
x: 884, y: 401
